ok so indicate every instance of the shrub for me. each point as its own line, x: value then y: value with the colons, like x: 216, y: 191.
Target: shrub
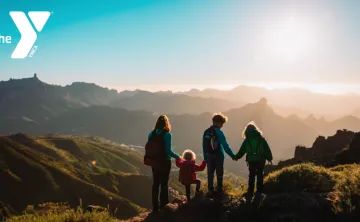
x: 302, y: 177
x: 340, y: 183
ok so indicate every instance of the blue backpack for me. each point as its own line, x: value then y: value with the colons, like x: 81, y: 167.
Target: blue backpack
x: 210, y: 143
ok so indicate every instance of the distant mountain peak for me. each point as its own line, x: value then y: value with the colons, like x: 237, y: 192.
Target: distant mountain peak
x: 263, y: 101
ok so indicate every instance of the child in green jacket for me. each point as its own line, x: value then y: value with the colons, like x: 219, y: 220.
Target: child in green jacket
x: 257, y: 152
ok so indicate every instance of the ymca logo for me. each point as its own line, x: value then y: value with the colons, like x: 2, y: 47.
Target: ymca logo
x: 28, y: 33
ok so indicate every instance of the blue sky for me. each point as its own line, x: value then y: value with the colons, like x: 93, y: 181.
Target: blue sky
x: 157, y: 44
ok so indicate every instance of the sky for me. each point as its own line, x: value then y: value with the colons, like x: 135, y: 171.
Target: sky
x: 182, y: 44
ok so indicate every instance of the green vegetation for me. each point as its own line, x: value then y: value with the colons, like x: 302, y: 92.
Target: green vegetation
x: 341, y: 184
x: 55, y: 168
x: 61, y: 212
x: 97, y: 171
x: 233, y: 185
x: 69, y: 215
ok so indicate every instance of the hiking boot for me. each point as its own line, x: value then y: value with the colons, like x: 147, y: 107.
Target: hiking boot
x: 224, y: 199
x: 199, y: 193
x: 163, y: 205
x: 154, y: 212
x: 155, y: 208
x: 248, y: 198
x: 210, y: 194
x: 258, y: 197
x: 242, y: 200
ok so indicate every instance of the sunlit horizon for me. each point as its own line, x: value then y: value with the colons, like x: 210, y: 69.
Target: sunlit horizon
x: 330, y: 89
x: 322, y: 88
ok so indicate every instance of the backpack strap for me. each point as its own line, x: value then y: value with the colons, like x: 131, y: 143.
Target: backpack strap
x: 213, y: 137
x: 153, y: 134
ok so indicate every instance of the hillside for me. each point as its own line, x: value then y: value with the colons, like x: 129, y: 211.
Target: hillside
x: 139, y: 124
x: 132, y: 127
x: 282, y: 133
x: 172, y: 103
x: 34, y: 107
x: 34, y: 170
x: 302, y: 193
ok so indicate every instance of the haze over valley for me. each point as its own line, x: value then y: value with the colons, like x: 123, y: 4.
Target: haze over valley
x: 31, y: 106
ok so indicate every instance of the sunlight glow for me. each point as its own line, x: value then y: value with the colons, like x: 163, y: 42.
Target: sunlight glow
x: 325, y: 88
x: 291, y: 40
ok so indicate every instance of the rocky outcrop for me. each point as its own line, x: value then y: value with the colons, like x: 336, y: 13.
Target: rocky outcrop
x: 341, y: 148
x: 349, y: 155
x: 323, y: 150
x: 300, y: 207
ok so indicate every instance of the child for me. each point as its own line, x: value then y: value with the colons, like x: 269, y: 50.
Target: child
x: 188, y: 168
x: 257, y: 152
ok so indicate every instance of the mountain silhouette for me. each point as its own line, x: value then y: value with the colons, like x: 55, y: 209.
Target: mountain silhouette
x: 37, y: 101
x: 31, y: 106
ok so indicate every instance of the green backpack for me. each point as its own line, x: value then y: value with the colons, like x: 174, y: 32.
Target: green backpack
x: 255, y: 155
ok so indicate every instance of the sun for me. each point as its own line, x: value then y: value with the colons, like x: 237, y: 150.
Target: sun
x: 291, y: 40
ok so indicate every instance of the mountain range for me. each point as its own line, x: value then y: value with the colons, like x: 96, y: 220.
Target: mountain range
x: 32, y: 106
x: 290, y: 100
x: 71, y: 159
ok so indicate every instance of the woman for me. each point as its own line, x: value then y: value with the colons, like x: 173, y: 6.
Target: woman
x: 161, y: 174
x: 257, y: 152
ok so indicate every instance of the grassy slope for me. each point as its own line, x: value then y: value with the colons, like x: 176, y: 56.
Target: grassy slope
x: 61, y: 212
x: 34, y: 170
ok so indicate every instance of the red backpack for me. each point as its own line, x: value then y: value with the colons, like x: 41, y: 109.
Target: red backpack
x: 155, y: 151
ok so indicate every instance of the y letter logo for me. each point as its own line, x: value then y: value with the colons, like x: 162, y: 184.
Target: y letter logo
x: 28, y: 34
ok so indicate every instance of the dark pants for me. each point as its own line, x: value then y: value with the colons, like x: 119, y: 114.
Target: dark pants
x: 161, y: 178
x: 256, y: 169
x: 215, y: 163
x: 187, y: 187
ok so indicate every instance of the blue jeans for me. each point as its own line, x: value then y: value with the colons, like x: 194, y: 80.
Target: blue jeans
x: 215, y: 163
